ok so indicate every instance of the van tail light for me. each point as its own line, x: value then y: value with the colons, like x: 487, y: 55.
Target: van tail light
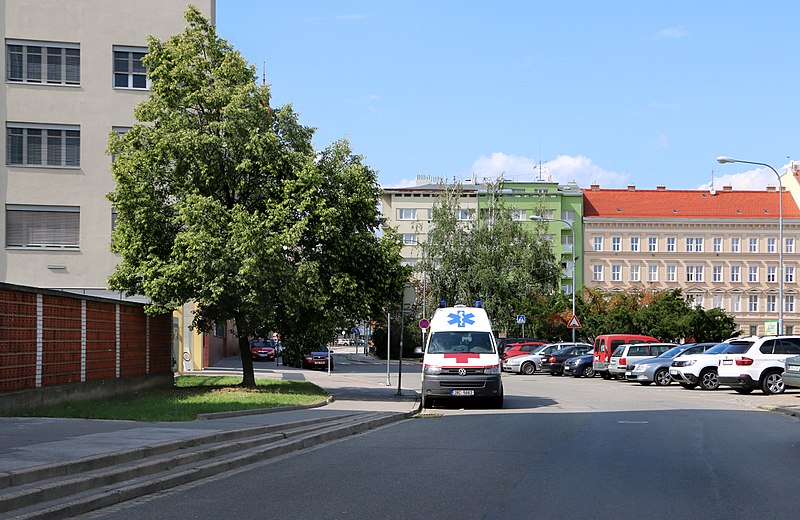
x: 744, y: 361
x: 552, y: 359
x: 623, y: 362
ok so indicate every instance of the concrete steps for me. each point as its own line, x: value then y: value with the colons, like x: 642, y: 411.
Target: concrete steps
x: 74, y: 487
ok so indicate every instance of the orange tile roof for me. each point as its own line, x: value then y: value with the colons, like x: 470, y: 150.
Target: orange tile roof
x: 626, y: 203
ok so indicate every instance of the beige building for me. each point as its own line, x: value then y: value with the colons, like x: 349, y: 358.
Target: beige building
x: 72, y: 76
x: 720, y: 248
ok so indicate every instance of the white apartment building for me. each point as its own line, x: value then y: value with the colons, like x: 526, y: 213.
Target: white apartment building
x: 720, y: 248
x: 72, y: 75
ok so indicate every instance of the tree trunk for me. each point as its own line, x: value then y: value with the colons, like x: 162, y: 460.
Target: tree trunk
x: 248, y: 375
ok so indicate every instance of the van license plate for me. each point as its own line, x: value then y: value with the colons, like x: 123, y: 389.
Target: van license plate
x: 459, y: 393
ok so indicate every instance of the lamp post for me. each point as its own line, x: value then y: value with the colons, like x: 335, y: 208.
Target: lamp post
x: 724, y: 160
x: 572, y: 231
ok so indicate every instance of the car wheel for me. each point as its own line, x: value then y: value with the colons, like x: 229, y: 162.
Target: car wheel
x: 620, y: 376
x: 744, y: 391
x: 772, y: 383
x: 588, y: 371
x: 708, y: 380
x: 552, y: 373
x: 605, y: 375
x: 662, y: 377
x: 528, y: 368
x: 427, y: 402
x: 688, y: 386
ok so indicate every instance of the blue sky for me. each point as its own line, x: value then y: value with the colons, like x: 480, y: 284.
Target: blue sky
x: 615, y: 92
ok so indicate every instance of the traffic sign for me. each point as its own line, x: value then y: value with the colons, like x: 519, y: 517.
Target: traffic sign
x: 574, y: 323
x: 424, y: 324
x: 520, y: 319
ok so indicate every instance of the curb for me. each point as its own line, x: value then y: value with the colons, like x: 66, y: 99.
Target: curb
x: 794, y: 412
x: 258, y: 411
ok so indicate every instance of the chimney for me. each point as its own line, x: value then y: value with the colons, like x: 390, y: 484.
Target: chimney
x: 661, y: 187
x: 772, y: 188
x: 727, y: 188
x: 594, y: 187
x: 631, y: 187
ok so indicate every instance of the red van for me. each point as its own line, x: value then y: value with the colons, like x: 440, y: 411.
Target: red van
x: 605, y: 344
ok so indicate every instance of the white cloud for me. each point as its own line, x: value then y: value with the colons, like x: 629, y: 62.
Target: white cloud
x: 670, y: 33
x: 562, y: 169
x: 755, y: 179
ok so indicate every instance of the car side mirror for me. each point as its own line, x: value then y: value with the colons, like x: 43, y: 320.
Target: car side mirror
x: 418, y: 351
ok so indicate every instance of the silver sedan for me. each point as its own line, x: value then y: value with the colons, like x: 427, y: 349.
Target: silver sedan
x: 656, y: 370
x: 525, y: 364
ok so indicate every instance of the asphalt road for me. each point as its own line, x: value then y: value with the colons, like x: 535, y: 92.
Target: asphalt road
x: 562, y: 448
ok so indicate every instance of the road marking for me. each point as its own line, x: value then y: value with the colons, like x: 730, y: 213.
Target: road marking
x: 633, y: 422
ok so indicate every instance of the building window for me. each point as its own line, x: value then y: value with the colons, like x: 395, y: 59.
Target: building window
x: 128, y: 69
x: 219, y: 330
x: 753, y: 330
x: 464, y: 214
x: 598, y: 243
x: 753, y: 245
x: 634, y: 244
x: 616, y: 243
x: 789, y: 273
x: 772, y: 303
x: 43, y: 226
x: 406, y: 214
x: 736, y: 303
x: 409, y: 239
x: 788, y: 305
x: 41, y: 145
x: 735, y: 245
x: 752, y: 273
x: 518, y: 215
x: 772, y: 275
x: 789, y: 245
x: 634, y: 274
x: 652, y: 244
x: 43, y: 63
x: 752, y: 303
x: 670, y: 244
x: 694, y: 245
x: 716, y: 301
x: 672, y: 273
x: 695, y: 300
x: 568, y: 215
x: 717, y: 273
x: 616, y: 272
x: 652, y: 273
x: 597, y: 273
x: 736, y: 272
x: 694, y: 273
x: 718, y: 244
x: 772, y: 245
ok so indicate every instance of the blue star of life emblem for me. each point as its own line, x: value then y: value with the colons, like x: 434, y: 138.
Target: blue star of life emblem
x: 461, y: 318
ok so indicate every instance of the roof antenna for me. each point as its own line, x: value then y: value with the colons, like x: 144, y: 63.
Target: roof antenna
x: 712, y: 190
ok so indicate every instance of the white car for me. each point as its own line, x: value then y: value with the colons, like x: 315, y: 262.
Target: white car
x: 525, y: 364
x: 694, y: 370
x: 757, y: 362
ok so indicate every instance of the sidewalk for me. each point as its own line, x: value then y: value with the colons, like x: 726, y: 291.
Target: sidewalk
x: 33, y: 441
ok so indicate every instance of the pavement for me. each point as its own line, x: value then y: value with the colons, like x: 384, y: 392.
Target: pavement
x: 28, y: 442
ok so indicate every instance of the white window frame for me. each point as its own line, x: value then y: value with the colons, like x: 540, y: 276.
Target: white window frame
x: 597, y: 273
x: 788, y: 245
x: 717, y: 244
x: 772, y: 273
x: 616, y: 272
x: 42, y: 227
x: 736, y: 245
x: 717, y: 273
x: 672, y: 273
x: 652, y: 245
x: 717, y: 301
x: 736, y: 302
x: 616, y: 243
x: 772, y: 245
x: 634, y: 273
x: 568, y: 215
x: 736, y: 273
x: 772, y: 303
x: 752, y: 303
x: 788, y: 272
x: 752, y: 273
x: 409, y: 239
x: 788, y: 303
x: 406, y: 213
x: 652, y: 273
x: 518, y: 215
x: 634, y: 244
x: 752, y: 245
x: 38, y: 142
x: 694, y: 273
x: 132, y: 74
x: 670, y: 244
x: 59, y: 64
x: 598, y: 243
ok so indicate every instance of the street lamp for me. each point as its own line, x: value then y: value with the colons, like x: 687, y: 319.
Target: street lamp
x: 574, y: 259
x: 724, y: 160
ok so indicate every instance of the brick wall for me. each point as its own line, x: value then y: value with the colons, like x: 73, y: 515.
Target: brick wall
x: 50, y: 338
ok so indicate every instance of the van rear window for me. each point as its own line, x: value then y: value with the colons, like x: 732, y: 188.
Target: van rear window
x: 738, y: 347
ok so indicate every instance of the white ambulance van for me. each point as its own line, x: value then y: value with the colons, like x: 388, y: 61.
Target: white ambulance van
x: 460, y: 359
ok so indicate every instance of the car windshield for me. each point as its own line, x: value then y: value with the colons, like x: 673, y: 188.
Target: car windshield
x: 259, y: 344
x: 673, y: 352
x: 718, y: 349
x: 618, y: 351
x: 447, y: 342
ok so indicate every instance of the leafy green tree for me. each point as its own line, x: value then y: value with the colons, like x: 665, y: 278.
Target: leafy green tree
x: 223, y: 202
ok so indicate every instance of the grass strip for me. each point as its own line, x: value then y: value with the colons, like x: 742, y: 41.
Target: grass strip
x: 190, y: 396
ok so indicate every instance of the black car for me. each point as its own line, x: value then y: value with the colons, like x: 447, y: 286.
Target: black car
x: 554, y: 364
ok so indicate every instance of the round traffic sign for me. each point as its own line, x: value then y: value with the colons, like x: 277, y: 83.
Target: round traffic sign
x: 424, y: 324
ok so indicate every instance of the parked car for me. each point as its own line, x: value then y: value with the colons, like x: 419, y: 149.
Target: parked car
x: 757, y: 362
x: 791, y: 372
x: 694, y: 370
x: 554, y: 364
x: 525, y: 364
x: 262, y: 350
x: 606, y: 344
x: 656, y: 370
x: 505, y: 343
x: 318, y: 359
x: 579, y: 366
x: 520, y: 349
x: 632, y: 353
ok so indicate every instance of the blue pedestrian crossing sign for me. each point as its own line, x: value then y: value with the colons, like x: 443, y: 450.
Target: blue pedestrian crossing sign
x: 520, y: 319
